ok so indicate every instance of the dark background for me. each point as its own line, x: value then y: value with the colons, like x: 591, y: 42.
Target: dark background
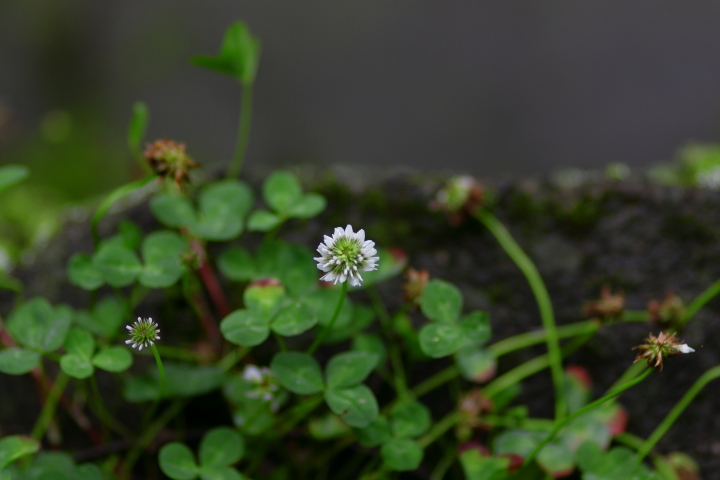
x: 495, y: 89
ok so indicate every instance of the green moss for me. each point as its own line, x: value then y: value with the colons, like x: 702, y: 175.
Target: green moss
x: 689, y: 227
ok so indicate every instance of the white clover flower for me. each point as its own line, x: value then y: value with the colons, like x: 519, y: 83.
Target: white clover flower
x: 143, y: 333
x: 345, y: 255
x: 263, y: 380
x: 252, y: 374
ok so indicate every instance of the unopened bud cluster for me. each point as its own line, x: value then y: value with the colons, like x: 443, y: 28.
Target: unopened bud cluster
x: 169, y: 159
x: 461, y: 195
x: 414, y: 285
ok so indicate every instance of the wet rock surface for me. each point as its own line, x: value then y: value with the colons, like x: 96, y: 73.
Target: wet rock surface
x: 643, y: 239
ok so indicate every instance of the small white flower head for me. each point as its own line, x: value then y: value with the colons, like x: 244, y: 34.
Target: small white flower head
x: 345, y: 255
x: 264, y: 383
x: 143, y: 333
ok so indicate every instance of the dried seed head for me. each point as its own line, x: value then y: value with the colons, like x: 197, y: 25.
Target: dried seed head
x: 668, y: 313
x: 608, y: 306
x: 655, y: 349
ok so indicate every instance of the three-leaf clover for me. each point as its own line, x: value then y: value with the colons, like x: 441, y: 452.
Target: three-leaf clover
x: 80, y: 360
x: 282, y: 192
x: 341, y: 385
x: 395, y: 435
x: 442, y: 303
x: 219, y: 448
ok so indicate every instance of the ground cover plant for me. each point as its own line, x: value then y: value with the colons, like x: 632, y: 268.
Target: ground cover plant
x: 294, y: 339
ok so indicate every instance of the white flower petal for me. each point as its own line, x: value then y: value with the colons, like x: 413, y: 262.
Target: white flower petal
x: 684, y: 349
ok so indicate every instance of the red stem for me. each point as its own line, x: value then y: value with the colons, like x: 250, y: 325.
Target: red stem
x: 212, y: 285
x: 209, y: 279
x: 197, y: 300
x: 44, y: 386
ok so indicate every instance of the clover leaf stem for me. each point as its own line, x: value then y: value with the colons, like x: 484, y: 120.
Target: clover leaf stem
x: 243, y: 131
x: 509, y: 345
x: 150, y: 413
x: 542, y: 297
x: 699, y: 301
x: 149, y: 433
x: 48, y: 410
x: 329, y: 326
x: 632, y: 371
x: 398, y: 370
x: 665, y: 425
x: 561, y: 423
x: 193, y: 294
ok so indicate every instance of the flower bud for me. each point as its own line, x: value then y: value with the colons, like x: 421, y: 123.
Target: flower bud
x: 168, y: 159
x: 461, y: 195
x: 668, y: 313
x: 608, y: 306
x: 414, y: 285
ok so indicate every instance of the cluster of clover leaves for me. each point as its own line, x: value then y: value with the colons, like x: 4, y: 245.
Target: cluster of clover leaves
x: 293, y: 390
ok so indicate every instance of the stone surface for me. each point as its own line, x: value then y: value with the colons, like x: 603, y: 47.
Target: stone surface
x: 643, y: 239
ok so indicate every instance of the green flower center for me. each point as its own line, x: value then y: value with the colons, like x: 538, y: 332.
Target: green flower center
x: 347, y: 251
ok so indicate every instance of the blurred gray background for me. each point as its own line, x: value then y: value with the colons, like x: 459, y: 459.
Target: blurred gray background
x: 493, y: 89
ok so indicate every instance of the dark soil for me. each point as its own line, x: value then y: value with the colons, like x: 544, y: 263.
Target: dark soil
x: 643, y: 239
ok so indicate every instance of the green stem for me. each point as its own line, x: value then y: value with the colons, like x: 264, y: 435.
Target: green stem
x: 528, y: 368
x: 632, y: 371
x: 178, y: 353
x: 381, y: 473
x: 634, y: 316
x: 398, y: 370
x: 516, y: 375
x: 106, y: 417
x: 46, y: 415
x: 243, y: 132
x: 161, y: 370
x: 661, y: 429
x: 528, y: 339
x: 329, y: 326
x: 150, y: 433
x: 629, y: 440
x: 439, y: 429
x: 137, y: 295
x: 232, y: 358
x: 506, y: 346
x: 701, y: 300
x: 280, y: 342
x: 541, y: 296
x: 156, y: 402
x: 442, y: 466
x: 561, y: 423
x: 300, y: 411
x: 113, y: 197
x: 435, y: 381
